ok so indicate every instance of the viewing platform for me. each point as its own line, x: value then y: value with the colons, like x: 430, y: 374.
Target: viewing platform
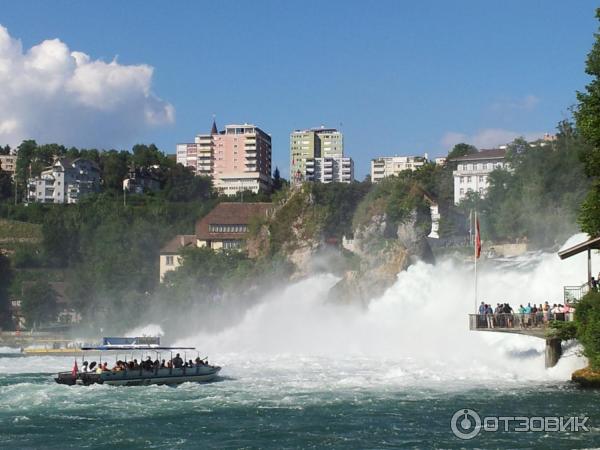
x: 535, y: 325
x: 513, y: 323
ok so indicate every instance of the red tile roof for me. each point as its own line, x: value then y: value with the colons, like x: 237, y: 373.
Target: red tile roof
x: 495, y: 153
x: 230, y: 214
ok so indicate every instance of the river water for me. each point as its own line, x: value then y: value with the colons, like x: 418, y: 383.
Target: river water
x: 301, y: 373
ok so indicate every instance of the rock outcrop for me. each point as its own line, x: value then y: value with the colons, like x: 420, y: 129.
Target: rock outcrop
x: 384, y: 251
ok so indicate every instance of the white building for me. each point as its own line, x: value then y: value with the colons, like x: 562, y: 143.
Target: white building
x: 65, y: 181
x: 331, y: 169
x: 472, y: 172
x: 386, y: 166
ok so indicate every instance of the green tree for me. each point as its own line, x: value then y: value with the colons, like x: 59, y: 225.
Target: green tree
x: 182, y: 185
x: 277, y: 183
x: 587, y: 319
x: 38, y: 303
x: 462, y: 149
x: 6, y: 186
x: 146, y: 155
x: 114, y: 167
x: 587, y: 116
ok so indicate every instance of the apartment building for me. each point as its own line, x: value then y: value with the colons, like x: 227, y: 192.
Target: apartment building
x: 317, y: 154
x: 238, y: 158
x: 472, y: 171
x: 386, y: 166
x: 330, y: 169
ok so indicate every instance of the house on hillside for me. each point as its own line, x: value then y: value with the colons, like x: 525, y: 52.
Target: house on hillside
x: 223, y: 228
x: 142, y: 179
x: 65, y: 181
x: 170, y: 254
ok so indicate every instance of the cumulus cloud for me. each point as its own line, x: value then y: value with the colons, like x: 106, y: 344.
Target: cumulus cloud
x: 52, y: 94
x: 526, y: 103
x: 488, y: 137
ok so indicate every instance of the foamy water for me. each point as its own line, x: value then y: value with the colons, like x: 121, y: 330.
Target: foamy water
x: 298, y: 371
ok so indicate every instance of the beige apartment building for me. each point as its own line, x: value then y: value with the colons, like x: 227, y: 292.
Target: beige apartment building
x: 386, y: 166
x: 8, y: 163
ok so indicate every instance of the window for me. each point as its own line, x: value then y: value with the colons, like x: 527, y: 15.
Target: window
x: 481, y: 179
x: 232, y: 244
x: 462, y: 191
x: 169, y: 260
x: 468, y: 179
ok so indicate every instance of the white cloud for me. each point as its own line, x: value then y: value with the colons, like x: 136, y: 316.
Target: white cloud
x: 527, y: 103
x: 52, y: 94
x: 488, y: 137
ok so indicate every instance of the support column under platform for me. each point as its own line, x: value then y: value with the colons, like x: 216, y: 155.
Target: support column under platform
x: 553, y: 351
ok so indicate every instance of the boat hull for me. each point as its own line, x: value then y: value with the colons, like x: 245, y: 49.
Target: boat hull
x: 142, y: 377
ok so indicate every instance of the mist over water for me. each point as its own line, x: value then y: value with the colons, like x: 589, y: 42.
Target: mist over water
x: 417, y: 332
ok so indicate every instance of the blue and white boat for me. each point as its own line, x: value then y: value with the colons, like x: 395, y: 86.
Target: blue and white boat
x: 178, y: 370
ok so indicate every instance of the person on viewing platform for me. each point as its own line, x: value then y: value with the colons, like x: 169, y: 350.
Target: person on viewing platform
x: 509, y: 318
x: 546, y: 311
x: 533, y: 315
x: 489, y: 314
x: 593, y: 284
x: 482, y: 308
x: 527, y: 316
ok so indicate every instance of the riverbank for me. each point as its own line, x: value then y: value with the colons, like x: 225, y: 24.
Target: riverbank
x: 587, y: 378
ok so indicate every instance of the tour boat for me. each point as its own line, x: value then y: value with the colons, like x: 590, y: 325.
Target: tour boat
x: 198, y: 372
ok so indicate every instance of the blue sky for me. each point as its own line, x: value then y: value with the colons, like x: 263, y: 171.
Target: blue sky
x: 398, y: 77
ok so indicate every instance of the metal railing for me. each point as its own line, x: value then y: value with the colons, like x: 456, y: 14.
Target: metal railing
x: 573, y: 294
x: 504, y: 321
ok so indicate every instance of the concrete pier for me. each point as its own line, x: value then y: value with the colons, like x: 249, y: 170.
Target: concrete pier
x: 520, y: 324
x: 553, y: 351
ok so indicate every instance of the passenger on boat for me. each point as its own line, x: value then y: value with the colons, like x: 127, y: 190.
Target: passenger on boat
x: 163, y: 364
x: 147, y: 365
x: 84, y: 367
x: 177, y: 361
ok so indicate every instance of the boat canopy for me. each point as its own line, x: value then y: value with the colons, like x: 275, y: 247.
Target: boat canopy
x: 132, y: 343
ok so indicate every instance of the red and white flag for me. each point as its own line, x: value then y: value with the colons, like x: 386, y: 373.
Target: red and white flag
x: 477, y: 239
x: 75, y: 369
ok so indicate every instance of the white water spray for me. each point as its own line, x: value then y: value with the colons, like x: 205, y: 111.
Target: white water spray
x: 418, y: 327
